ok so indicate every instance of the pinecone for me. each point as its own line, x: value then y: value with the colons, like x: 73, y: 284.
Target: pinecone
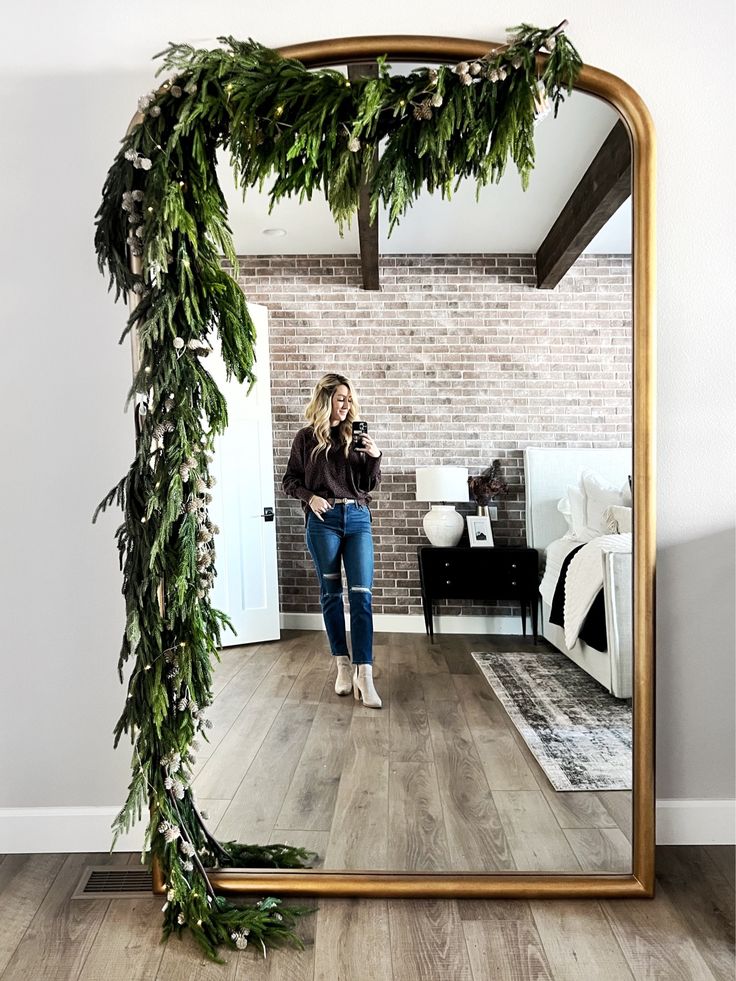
x: 423, y: 110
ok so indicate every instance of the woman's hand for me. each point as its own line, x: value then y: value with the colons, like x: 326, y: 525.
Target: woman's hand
x: 368, y: 446
x: 319, y: 505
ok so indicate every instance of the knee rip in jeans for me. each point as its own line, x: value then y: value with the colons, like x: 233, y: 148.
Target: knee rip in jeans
x: 360, y: 589
x: 332, y: 579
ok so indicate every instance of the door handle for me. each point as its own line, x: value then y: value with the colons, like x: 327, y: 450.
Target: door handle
x: 268, y: 514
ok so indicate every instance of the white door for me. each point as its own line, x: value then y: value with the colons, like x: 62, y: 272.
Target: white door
x: 246, y: 586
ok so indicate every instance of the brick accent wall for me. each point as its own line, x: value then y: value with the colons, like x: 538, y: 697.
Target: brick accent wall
x: 459, y: 359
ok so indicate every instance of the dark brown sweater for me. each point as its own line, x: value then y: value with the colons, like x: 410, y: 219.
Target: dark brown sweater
x: 331, y: 474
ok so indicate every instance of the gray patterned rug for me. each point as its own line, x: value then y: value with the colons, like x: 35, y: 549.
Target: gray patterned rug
x: 578, y: 732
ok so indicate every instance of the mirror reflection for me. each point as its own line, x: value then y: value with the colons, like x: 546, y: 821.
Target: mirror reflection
x: 493, y: 371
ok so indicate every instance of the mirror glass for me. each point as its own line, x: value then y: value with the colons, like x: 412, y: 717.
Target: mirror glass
x: 494, y: 750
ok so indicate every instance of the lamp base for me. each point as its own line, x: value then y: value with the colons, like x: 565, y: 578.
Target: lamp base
x: 443, y: 525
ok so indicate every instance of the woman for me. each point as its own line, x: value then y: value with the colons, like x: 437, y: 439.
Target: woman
x: 332, y: 478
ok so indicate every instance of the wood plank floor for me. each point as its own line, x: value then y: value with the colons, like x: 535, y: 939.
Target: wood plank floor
x: 686, y: 932
x: 439, y: 779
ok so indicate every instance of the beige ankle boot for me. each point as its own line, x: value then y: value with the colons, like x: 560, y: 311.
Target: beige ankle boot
x: 344, y: 681
x: 363, y: 686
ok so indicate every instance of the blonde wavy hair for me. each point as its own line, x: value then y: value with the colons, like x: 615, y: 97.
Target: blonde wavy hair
x: 319, y: 412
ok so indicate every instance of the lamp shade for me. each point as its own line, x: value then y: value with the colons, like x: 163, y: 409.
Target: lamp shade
x: 442, y: 484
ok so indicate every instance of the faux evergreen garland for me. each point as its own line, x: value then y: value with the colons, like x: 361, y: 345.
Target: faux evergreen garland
x: 161, y: 233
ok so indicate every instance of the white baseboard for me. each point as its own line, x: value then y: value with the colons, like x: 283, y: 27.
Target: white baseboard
x: 413, y: 623
x: 28, y: 830
x: 32, y: 830
x: 696, y: 822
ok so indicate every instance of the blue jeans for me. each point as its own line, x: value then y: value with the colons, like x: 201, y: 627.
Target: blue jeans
x: 345, y: 534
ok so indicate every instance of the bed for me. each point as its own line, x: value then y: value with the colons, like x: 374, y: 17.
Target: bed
x: 604, y: 558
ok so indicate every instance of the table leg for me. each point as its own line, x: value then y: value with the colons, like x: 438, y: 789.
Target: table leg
x: 522, y: 603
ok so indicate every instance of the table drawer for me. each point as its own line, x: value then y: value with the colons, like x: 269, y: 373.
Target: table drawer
x: 477, y: 573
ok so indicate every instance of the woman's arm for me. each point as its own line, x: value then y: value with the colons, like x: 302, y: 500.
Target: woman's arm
x: 369, y: 473
x: 294, y: 478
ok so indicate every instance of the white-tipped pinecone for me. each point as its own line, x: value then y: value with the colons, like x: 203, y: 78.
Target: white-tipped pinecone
x: 172, y: 833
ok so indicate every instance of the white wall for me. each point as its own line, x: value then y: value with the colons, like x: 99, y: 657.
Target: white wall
x: 69, y: 80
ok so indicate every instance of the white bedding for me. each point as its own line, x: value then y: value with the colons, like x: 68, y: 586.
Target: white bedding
x: 584, y: 577
x: 555, y: 554
x: 584, y: 580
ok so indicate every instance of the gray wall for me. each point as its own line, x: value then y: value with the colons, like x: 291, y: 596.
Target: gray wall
x: 63, y: 383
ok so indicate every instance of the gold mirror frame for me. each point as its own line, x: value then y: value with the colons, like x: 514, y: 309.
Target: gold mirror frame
x: 528, y: 885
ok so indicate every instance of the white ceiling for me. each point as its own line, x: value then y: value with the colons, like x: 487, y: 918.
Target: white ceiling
x: 505, y: 219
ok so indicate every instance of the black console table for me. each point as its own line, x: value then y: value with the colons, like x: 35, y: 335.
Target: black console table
x: 479, y: 574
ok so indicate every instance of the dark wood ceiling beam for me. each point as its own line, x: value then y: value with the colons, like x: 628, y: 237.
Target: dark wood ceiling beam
x: 367, y: 232
x: 602, y: 190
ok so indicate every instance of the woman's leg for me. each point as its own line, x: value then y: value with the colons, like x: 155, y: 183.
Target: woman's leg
x: 324, y: 541
x: 358, y: 559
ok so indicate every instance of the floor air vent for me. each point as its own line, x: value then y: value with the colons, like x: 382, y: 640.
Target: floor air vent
x: 105, y: 882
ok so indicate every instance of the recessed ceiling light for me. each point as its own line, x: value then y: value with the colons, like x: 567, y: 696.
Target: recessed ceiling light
x: 274, y: 231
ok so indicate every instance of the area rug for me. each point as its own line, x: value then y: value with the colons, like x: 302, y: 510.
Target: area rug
x: 579, y: 733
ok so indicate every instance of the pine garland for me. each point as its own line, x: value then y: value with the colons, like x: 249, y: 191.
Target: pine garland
x: 313, y: 131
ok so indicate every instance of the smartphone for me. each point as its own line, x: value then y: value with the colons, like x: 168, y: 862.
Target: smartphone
x: 359, y: 428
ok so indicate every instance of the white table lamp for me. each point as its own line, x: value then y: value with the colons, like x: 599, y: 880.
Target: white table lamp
x: 442, y: 524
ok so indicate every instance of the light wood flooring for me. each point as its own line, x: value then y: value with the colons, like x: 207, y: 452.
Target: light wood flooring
x: 437, y: 780
x: 684, y: 934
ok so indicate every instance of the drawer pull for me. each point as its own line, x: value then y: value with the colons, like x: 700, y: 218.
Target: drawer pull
x: 513, y: 583
x: 447, y: 565
x: 513, y: 565
x: 448, y: 582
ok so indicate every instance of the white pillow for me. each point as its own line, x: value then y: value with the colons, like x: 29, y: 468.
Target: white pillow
x: 599, y: 495
x: 563, y: 506
x: 572, y: 508
x: 619, y: 519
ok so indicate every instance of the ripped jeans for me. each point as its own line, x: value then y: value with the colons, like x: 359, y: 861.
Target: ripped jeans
x: 345, y: 534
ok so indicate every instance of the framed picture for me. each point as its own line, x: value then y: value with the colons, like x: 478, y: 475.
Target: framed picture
x: 479, y: 531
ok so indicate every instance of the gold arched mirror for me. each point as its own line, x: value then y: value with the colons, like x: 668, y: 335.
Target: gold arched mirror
x: 502, y: 764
